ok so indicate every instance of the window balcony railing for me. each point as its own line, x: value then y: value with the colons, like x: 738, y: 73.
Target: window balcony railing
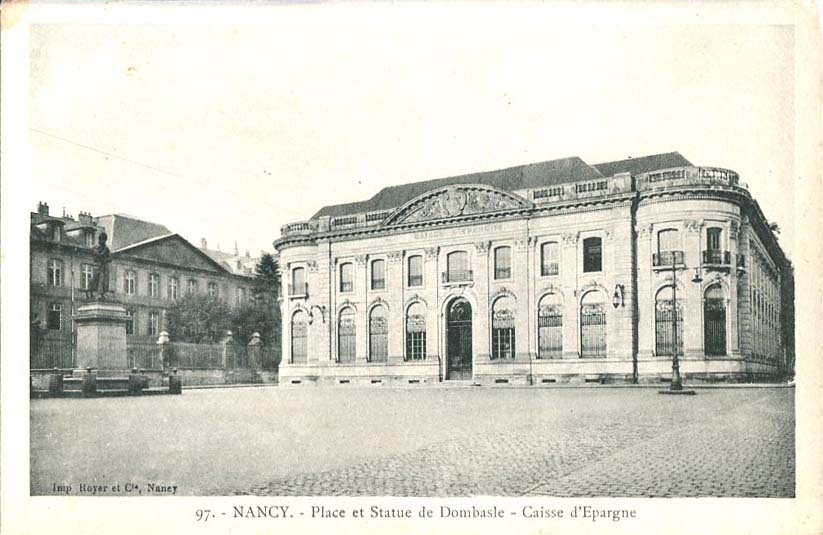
x: 549, y: 269
x: 378, y: 284
x: 299, y: 290
x: 667, y: 258
x: 415, y: 280
x: 346, y: 286
x: 462, y: 275
x: 502, y: 273
x: 717, y: 257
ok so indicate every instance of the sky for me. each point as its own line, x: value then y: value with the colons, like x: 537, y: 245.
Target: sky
x: 226, y: 130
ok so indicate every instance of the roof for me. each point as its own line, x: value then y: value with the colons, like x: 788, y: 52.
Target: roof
x: 644, y: 164
x: 533, y: 175
x: 229, y: 261
x: 124, y: 230
x: 68, y: 224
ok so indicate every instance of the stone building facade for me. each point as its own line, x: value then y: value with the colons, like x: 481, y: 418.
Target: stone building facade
x: 151, y: 267
x: 550, y: 272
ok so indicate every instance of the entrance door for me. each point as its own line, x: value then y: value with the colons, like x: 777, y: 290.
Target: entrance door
x: 714, y: 322
x: 459, y: 340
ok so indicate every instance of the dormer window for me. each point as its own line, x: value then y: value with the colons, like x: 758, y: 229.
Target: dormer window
x: 57, y: 232
x: 89, y: 238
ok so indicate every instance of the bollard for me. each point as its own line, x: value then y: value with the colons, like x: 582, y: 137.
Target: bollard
x: 175, y: 383
x: 135, y: 384
x: 89, y: 385
x: 56, y: 384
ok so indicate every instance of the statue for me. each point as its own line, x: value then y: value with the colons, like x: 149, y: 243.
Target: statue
x: 102, y: 259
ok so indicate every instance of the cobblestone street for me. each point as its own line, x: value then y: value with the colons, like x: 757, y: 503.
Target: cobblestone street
x: 438, y: 441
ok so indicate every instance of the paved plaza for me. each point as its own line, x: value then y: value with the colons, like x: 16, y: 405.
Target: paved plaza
x: 425, y: 441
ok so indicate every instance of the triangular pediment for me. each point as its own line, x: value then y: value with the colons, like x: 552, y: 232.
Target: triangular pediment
x: 172, y: 250
x: 457, y: 201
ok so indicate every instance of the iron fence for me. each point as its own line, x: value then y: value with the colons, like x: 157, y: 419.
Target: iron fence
x: 50, y: 354
x: 143, y: 355
x: 190, y: 355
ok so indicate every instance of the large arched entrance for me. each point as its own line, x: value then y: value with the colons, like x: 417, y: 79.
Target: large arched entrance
x: 459, y: 340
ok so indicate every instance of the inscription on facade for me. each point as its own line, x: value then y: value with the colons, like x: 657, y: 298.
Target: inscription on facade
x: 463, y: 231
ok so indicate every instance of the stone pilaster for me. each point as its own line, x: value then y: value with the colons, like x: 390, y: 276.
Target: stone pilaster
x: 481, y: 330
x: 521, y: 275
x: 571, y: 306
x: 645, y: 299
x: 692, y: 297
x: 394, y: 296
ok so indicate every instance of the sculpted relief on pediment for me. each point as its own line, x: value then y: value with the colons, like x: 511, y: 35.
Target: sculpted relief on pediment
x: 456, y: 201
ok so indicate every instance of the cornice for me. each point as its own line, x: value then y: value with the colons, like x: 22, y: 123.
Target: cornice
x: 577, y: 206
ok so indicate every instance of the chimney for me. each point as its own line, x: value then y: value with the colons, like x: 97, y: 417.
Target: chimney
x: 235, y: 249
x: 85, y: 218
x: 248, y: 255
x: 203, y: 243
x: 43, y: 208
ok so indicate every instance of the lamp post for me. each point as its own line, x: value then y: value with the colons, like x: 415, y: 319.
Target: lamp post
x: 676, y: 386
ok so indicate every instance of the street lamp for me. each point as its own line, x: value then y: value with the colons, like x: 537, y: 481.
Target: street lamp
x: 676, y: 386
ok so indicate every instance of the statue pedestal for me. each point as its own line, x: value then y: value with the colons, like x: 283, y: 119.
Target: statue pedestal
x: 101, y: 336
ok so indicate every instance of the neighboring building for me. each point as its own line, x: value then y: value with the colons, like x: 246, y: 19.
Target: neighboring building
x: 232, y: 262
x: 151, y: 267
x: 547, y: 272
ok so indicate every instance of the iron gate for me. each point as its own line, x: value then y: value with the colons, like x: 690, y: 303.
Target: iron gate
x: 593, y: 330
x: 346, y: 337
x: 299, y: 336
x: 664, y: 333
x: 549, y: 332
x: 459, y: 340
x: 714, y: 326
x: 378, y: 339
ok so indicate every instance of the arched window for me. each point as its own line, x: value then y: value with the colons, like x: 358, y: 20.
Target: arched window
x: 503, y: 314
x: 714, y: 321
x: 346, y: 277
x: 378, y: 335
x: 549, y: 328
x: 503, y: 263
x: 592, y: 255
x: 299, y: 337
x: 346, y: 336
x: 416, y: 332
x: 664, y: 316
x: 378, y: 275
x: 593, y: 325
x: 457, y: 267
x: 549, y: 259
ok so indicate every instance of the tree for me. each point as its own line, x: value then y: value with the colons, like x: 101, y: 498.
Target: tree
x: 198, y: 318
x: 267, y: 271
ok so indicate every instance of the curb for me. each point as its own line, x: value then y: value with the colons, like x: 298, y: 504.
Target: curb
x: 446, y: 386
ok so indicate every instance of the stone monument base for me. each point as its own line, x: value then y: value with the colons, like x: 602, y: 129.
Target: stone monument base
x: 101, y: 337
